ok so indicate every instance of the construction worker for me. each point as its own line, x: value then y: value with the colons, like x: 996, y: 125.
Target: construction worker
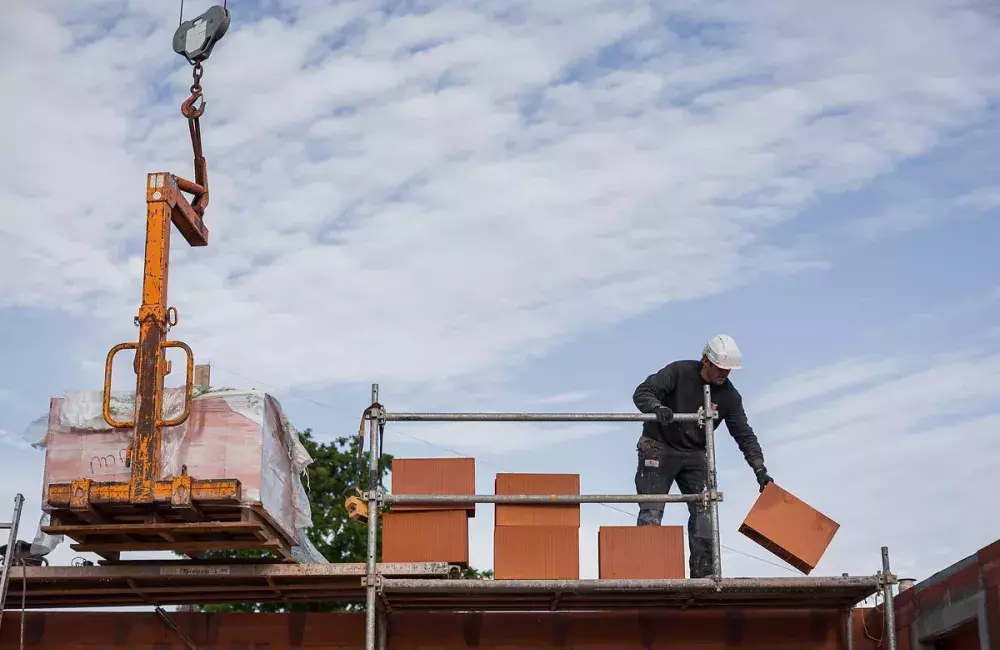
x: 675, y: 451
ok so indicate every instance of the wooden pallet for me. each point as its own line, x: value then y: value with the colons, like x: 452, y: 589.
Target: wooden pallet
x: 185, y: 515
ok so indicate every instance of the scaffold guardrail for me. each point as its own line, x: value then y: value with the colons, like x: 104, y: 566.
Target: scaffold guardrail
x: 375, y: 616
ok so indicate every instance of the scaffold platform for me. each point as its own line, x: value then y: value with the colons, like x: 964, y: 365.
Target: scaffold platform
x: 409, y: 586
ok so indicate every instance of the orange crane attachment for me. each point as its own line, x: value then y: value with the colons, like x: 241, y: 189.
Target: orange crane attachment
x: 143, y: 513
x: 166, y: 203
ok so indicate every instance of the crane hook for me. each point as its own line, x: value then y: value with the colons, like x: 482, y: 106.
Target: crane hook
x: 188, y: 108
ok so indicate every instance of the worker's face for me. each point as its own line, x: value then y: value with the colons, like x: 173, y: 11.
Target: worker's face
x: 712, y: 373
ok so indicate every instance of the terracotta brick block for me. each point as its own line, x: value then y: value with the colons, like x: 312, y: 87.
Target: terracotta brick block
x: 536, y: 552
x: 541, y: 515
x: 789, y: 528
x: 434, y: 476
x: 632, y: 552
x: 435, y: 536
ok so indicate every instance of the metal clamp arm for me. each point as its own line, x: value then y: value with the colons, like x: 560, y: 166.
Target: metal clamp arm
x: 188, y: 385
x: 109, y: 362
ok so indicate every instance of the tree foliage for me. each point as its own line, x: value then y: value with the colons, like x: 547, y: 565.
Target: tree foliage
x: 333, y: 473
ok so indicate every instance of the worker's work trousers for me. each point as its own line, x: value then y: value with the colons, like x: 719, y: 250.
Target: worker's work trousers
x: 657, y: 470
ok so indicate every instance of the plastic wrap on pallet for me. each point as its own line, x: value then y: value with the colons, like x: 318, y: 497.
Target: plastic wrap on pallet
x: 230, y: 433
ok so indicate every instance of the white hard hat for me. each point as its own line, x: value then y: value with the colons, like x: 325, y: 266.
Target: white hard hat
x: 722, y: 351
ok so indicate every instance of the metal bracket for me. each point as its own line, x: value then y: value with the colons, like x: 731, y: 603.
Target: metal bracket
x: 708, y: 496
x: 377, y: 580
x: 379, y: 496
x: 886, y: 578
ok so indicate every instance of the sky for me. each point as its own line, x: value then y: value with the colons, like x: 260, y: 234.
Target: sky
x: 533, y: 206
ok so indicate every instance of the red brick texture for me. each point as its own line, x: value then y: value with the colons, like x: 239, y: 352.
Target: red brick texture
x: 434, y: 476
x: 540, y: 515
x: 436, y: 536
x: 536, y: 553
x: 635, y: 552
x: 537, y: 541
x: 789, y: 528
x: 690, y: 630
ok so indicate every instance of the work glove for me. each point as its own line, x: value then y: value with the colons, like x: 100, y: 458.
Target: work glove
x: 664, y: 415
x: 762, y: 477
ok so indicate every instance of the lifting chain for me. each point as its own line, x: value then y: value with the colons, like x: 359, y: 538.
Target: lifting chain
x: 194, y: 40
x: 192, y: 113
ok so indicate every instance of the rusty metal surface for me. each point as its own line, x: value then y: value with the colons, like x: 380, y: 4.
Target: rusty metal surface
x: 412, y: 586
x: 187, y: 516
x: 199, y: 188
x: 226, y: 491
x: 175, y: 582
x: 509, y: 595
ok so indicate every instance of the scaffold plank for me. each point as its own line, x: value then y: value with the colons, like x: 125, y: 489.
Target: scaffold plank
x: 410, y: 586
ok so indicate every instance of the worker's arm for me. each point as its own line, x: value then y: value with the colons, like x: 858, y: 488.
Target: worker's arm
x: 740, y: 430
x: 649, y: 395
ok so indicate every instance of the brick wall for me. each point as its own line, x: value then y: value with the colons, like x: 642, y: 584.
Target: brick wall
x: 693, y: 630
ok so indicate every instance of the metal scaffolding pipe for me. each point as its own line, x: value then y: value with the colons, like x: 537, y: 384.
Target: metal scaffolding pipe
x: 849, y: 630
x: 713, y: 483
x: 774, y: 585
x: 370, y: 566
x: 534, y: 417
x: 890, y: 608
x: 453, y: 499
x: 8, y: 559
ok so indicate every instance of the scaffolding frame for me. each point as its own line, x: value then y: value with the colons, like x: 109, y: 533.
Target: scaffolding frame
x: 11, y: 552
x: 378, y: 589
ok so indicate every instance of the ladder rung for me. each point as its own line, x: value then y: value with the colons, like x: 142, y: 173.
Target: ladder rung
x: 5, y: 526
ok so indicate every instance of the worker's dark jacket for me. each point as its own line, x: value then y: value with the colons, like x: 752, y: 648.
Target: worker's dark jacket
x: 680, y: 387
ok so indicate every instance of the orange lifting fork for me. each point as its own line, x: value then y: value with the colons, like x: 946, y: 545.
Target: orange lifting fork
x: 165, y: 204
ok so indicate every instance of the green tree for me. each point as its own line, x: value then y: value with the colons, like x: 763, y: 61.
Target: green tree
x: 334, y: 471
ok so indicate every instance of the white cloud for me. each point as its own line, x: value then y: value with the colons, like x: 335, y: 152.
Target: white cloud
x: 905, y: 460
x: 821, y: 382
x: 496, y: 438
x: 984, y: 198
x: 455, y: 191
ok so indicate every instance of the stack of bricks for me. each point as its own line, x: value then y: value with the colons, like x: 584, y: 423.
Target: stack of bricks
x: 425, y: 532
x: 539, y: 542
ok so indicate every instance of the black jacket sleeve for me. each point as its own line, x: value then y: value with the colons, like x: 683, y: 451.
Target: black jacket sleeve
x: 740, y: 430
x: 651, y: 392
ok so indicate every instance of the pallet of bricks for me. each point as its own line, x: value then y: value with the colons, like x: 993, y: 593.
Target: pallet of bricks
x: 530, y: 542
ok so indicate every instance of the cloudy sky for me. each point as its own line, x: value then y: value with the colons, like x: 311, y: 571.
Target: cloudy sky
x: 533, y: 206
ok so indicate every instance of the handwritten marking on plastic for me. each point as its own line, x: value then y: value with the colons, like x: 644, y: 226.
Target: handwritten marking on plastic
x: 104, y: 462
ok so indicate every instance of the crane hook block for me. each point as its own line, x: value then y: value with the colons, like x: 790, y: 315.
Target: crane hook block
x: 194, y: 39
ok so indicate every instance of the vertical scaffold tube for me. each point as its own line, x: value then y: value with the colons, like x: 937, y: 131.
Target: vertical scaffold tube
x: 890, y: 607
x: 382, y: 629
x: 713, y: 483
x: 8, y: 559
x: 370, y: 565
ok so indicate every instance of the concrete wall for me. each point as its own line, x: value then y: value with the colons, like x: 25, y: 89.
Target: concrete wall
x: 671, y: 630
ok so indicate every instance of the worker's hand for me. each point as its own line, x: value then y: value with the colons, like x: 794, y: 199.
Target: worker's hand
x: 762, y: 478
x: 664, y: 415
